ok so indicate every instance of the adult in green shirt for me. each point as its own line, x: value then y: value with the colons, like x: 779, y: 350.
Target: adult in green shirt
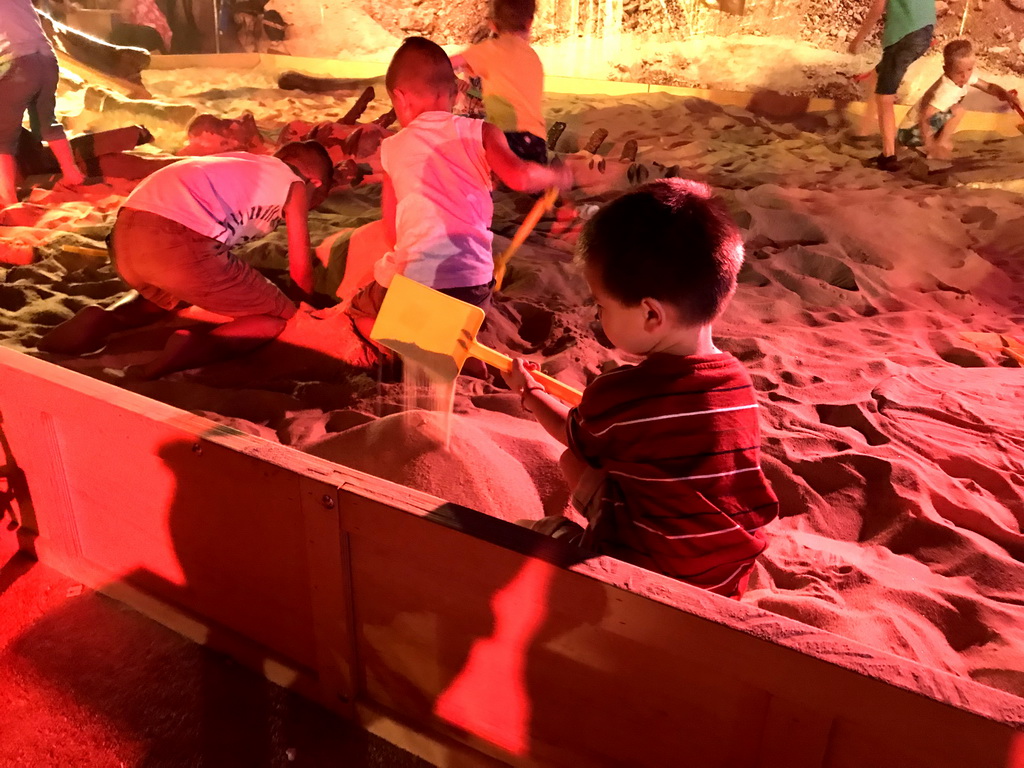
x: 905, y: 38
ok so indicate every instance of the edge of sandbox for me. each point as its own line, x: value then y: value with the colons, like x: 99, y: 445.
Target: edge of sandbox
x: 337, y: 557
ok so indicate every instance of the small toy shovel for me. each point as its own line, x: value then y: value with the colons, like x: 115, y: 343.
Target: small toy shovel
x: 542, y: 206
x: 439, y: 333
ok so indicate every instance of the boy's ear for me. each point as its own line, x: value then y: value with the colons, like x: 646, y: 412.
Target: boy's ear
x: 398, y: 98
x: 654, y: 314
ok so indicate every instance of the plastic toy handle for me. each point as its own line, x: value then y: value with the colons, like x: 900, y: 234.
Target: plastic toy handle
x: 503, y: 363
x: 539, y: 209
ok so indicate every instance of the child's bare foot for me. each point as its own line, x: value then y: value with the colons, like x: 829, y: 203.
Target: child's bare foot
x: 85, y: 332
x: 940, y: 151
x: 72, y: 177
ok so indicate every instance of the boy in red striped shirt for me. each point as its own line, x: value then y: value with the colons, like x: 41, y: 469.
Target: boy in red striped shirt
x: 664, y: 456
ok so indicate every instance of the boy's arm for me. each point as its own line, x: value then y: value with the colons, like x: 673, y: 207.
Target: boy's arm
x: 549, y: 411
x: 300, y: 261
x: 388, y: 265
x: 459, y: 62
x: 924, y: 125
x: 994, y: 90
x: 874, y: 14
x: 389, y: 206
x: 516, y: 172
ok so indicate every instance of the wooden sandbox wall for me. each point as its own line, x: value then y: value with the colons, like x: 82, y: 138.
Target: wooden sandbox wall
x: 459, y: 637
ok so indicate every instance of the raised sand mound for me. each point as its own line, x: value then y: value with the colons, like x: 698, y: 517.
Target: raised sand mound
x: 480, y: 468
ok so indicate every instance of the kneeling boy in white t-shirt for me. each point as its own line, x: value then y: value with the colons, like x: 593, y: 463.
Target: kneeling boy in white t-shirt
x: 932, y: 122
x: 172, y: 244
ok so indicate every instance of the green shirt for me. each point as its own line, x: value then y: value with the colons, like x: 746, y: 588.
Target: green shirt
x: 905, y: 16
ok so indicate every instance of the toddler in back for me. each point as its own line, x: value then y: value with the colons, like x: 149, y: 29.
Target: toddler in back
x: 512, y: 77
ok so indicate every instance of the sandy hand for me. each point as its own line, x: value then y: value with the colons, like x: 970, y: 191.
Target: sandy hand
x: 519, y: 377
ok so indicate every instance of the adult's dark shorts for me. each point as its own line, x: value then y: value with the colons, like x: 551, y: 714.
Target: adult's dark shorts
x: 898, y: 57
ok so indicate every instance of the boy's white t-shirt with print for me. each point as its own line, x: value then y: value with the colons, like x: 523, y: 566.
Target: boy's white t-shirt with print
x: 231, y: 197
x: 945, y: 94
x: 442, y: 184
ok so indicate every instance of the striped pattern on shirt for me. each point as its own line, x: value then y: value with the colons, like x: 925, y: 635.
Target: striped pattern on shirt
x: 679, y: 441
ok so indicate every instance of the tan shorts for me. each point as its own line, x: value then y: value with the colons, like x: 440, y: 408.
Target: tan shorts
x: 170, y: 264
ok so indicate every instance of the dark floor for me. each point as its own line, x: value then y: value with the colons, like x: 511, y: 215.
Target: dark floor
x: 88, y: 683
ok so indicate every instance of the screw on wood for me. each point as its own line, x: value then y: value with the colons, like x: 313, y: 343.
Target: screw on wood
x: 328, y: 501
x: 197, y: 448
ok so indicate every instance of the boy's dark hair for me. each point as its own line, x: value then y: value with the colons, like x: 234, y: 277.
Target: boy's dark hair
x: 421, y: 64
x: 955, y: 50
x: 513, y: 15
x: 670, y: 240
x: 309, y: 158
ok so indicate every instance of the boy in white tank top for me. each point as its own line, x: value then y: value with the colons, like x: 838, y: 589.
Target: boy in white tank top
x: 436, y: 197
x: 172, y: 241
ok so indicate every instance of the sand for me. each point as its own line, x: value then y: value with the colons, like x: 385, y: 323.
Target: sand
x: 894, y: 443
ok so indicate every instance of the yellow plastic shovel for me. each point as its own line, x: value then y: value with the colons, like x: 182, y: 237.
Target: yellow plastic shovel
x: 439, y: 333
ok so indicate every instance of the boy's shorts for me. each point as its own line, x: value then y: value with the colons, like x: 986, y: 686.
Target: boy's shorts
x: 911, y: 137
x: 29, y: 83
x: 367, y: 302
x: 168, y: 264
x: 898, y: 57
x: 528, y: 146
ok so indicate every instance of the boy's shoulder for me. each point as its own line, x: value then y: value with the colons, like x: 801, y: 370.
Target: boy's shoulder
x: 665, y: 374
x: 502, y: 45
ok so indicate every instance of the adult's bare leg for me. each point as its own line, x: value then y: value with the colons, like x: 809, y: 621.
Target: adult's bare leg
x: 88, y: 330
x: 8, y: 183
x: 190, y: 349
x: 887, y: 123
x: 869, y: 119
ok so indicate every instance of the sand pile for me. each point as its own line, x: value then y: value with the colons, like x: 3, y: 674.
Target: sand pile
x: 893, y: 441
x: 494, y: 463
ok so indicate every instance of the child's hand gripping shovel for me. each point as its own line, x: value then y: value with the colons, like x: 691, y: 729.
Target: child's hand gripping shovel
x: 439, y: 333
x: 542, y: 206
x: 1014, y: 101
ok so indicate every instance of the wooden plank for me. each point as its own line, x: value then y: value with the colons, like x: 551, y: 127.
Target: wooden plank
x: 331, y: 594
x: 197, y: 60
x: 438, y: 641
x: 94, y: 76
x: 152, y: 502
x: 451, y: 631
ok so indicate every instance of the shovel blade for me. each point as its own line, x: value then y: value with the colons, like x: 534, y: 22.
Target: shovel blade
x: 426, y: 326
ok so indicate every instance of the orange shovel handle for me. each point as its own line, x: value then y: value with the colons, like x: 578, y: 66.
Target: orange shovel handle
x: 503, y: 363
x: 540, y: 207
